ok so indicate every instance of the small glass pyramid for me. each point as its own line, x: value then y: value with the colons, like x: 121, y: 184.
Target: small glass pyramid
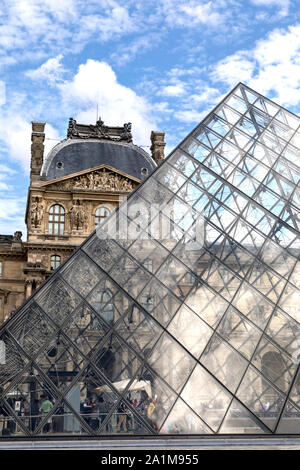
x: 181, y: 313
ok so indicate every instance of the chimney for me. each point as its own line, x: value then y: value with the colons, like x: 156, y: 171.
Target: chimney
x: 158, y: 146
x: 37, y: 149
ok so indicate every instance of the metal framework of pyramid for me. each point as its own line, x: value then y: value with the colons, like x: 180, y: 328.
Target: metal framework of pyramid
x: 180, y: 314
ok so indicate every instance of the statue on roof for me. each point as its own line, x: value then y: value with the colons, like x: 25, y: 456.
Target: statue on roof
x: 99, y: 131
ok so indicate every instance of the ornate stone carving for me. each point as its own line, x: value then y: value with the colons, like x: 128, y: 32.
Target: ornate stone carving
x: 103, y: 179
x: 17, y: 237
x: 78, y: 219
x: 99, y: 131
x: 36, y: 212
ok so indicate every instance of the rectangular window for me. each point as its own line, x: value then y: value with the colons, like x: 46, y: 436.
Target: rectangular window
x: 1, y: 268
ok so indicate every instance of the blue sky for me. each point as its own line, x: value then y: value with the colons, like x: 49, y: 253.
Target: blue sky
x: 160, y: 64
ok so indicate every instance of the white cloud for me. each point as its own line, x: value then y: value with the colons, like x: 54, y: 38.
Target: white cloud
x: 12, y: 211
x: 16, y: 138
x: 51, y: 71
x: 34, y: 29
x: 193, y: 13
x: 233, y: 69
x: 282, y: 4
x: 191, y: 116
x: 272, y: 67
x: 203, y: 13
x: 207, y: 95
x: 172, y: 90
x: 96, y: 84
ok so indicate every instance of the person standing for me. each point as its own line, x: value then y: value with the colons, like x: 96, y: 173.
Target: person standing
x: 122, y: 417
x: 46, y: 407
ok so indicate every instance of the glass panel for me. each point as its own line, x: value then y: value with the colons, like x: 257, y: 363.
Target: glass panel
x: 104, y: 252
x: 153, y: 398
x: 276, y: 366
x: 206, y: 397
x: 239, y: 332
x: 60, y: 303
x: 239, y: 420
x: 82, y: 274
x: 171, y: 362
x: 33, y: 330
x: 253, y: 305
x: 182, y: 420
x: 223, y: 362
x: 289, y: 302
x: 190, y: 331
x: 209, y: 305
x: 286, y: 332
x: 263, y: 400
x: 183, y: 163
x: 289, y: 422
x: 159, y: 302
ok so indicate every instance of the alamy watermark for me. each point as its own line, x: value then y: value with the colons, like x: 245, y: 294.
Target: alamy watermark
x: 138, y: 220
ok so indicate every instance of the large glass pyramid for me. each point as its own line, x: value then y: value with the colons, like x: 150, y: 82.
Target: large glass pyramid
x: 181, y: 314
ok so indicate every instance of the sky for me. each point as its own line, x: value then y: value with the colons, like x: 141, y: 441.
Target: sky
x: 159, y: 64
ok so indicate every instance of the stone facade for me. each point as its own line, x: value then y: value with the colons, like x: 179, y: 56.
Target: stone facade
x: 25, y: 265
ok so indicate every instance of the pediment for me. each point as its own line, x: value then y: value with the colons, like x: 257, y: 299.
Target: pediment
x: 102, y: 178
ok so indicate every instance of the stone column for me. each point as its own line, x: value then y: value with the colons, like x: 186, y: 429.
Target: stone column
x: 37, y: 149
x: 157, y: 146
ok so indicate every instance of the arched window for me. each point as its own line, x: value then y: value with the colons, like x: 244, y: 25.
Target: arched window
x: 100, y: 214
x: 56, y: 220
x: 55, y: 261
x: 102, y: 304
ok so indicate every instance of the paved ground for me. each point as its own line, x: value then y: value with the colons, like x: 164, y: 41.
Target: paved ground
x: 279, y: 443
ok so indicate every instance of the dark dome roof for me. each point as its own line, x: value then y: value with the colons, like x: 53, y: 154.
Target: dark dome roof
x: 74, y: 155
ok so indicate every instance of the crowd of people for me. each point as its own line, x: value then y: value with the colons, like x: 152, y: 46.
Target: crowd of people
x: 29, y: 413
x: 94, y: 411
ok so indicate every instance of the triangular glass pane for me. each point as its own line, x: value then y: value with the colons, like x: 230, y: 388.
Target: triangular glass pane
x: 263, y: 400
x: 182, y: 420
x: 239, y: 420
x: 290, y: 420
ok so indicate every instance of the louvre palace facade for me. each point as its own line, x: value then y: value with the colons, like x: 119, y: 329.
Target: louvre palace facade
x: 179, y: 314
x: 80, y: 182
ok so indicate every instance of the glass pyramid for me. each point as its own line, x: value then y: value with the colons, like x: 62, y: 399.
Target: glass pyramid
x: 181, y: 313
